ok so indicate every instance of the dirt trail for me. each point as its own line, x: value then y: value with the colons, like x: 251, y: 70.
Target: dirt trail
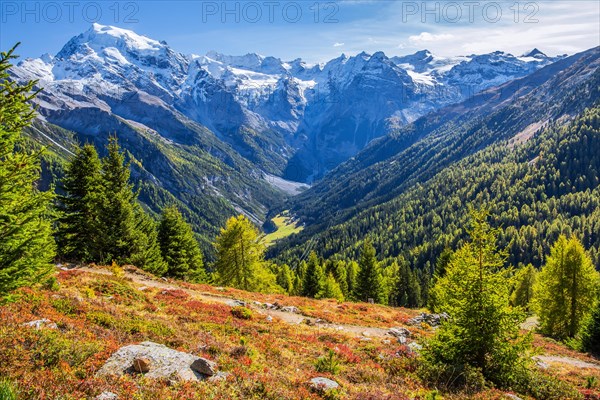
x: 289, y: 317
x: 567, y: 360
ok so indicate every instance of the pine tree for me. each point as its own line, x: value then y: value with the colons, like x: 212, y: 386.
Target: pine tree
x: 79, y: 229
x: 179, y: 247
x: 240, y: 257
x: 26, y: 244
x: 524, y: 283
x: 351, y: 278
x: 368, y: 282
x: 566, y: 289
x: 483, y: 331
x: 313, y: 277
x: 330, y: 289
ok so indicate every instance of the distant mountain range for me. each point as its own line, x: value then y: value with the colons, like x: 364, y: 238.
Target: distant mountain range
x: 217, y: 133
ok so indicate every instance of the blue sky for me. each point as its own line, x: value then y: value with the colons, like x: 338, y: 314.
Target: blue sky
x: 313, y: 30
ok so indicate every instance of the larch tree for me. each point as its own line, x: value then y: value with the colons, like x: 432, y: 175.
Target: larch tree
x: 239, y: 260
x: 330, y: 289
x: 26, y: 243
x: 566, y: 289
x: 524, y: 283
x: 179, y: 247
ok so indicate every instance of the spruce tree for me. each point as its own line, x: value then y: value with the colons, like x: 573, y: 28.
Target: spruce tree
x: 483, y: 330
x: 409, y: 287
x: 368, y: 282
x: 118, y: 210
x: 566, y: 289
x: 79, y: 228
x: 26, y: 243
x: 313, y: 276
x: 179, y: 247
x: 146, y: 252
x: 285, y: 278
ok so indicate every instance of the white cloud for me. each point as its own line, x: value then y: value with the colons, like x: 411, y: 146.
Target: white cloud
x: 338, y: 44
x: 426, y: 37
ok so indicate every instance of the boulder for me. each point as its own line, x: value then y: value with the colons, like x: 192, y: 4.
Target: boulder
x: 290, y: 309
x: 321, y: 384
x: 165, y: 363
x: 41, y: 323
x: 431, y: 319
x: 399, y: 332
x: 236, y: 303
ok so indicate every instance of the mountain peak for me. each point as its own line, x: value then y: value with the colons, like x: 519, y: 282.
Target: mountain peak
x: 535, y: 53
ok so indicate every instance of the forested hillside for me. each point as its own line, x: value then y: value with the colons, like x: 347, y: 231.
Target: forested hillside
x: 537, y: 190
x: 392, y: 190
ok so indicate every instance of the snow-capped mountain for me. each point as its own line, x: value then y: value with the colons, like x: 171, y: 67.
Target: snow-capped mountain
x: 289, y: 118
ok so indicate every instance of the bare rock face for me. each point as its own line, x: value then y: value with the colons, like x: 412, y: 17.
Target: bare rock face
x: 159, y: 362
x: 321, y: 385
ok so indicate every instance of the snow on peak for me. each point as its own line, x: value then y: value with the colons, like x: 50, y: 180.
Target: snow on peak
x: 535, y: 53
x: 132, y: 39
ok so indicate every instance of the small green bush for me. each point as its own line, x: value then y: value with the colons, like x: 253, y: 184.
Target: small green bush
x: 545, y: 387
x: 8, y: 390
x: 65, y: 306
x: 116, y: 288
x: 102, y: 319
x: 328, y: 363
x: 241, y: 312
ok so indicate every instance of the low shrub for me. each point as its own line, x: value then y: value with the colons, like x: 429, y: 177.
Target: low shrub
x: 241, y: 312
x: 8, y: 390
x: 328, y: 363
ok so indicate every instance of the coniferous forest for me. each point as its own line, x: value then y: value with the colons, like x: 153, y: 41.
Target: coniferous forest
x: 456, y: 257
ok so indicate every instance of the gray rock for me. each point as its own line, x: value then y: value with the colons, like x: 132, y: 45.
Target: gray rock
x: 41, y: 323
x: 512, y: 396
x: 204, y: 366
x: 321, y: 384
x: 236, y: 303
x: 399, y: 332
x: 106, y: 396
x: 290, y: 309
x: 269, y: 318
x: 431, y: 319
x: 166, y: 363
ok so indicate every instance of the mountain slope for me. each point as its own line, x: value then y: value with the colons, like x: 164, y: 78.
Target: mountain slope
x: 350, y: 199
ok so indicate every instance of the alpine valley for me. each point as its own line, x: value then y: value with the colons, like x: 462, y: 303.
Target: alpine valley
x: 220, y: 135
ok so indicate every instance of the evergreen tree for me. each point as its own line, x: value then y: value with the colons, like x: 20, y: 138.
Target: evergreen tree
x: 351, y: 278
x: 330, y: 289
x: 146, y: 252
x: 313, y: 277
x: 483, y: 331
x: 26, y: 244
x: 409, y: 287
x: 590, y: 334
x: 179, y: 247
x: 566, y: 289
x: 440, y: 271
x: 240, y: 257
x: 523, y: 292
x: 118, y: 211
x: 368, y: 282
x: 79, y: 227
x: 340, y: 274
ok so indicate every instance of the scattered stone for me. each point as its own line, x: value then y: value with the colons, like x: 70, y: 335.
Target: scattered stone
x: 141, y: 365
x: 366, y: 333
x: 399, y: 332
x: 365, y: 339
x: 402, y: 339
x: 41, y: 323
x: 290, y: 309
x: 431, y: 319
x: 269, y: 306
x: 106, y: 396
x: 414, y: 346
x: 321, y: 384
x: 269, y: 318
x: 204, y: 366
x: 236, y: 303
x: 141, y: 289
x: 166, y: 363
x: 164, y: 279
x: 386, y: 341
x: 541, y: 365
